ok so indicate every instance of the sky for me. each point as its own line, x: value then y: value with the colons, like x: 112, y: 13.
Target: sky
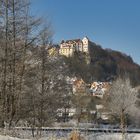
x: 113, y: 24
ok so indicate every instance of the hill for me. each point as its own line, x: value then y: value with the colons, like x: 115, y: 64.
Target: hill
x: 103, y: 65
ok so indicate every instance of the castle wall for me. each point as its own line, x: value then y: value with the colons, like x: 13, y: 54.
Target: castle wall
x: 69, y: 47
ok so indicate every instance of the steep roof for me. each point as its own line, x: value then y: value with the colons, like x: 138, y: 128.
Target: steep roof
x: 71, y: 41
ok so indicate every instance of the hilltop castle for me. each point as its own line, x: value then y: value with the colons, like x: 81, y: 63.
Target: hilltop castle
x: 68, y: 47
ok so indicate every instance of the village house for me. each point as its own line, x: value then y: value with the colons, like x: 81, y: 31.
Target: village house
x: 53, y: 50
x: 99, y: 88
x: 79, y: 87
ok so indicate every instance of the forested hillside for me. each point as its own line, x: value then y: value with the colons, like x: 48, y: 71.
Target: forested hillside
x: 103, y: 65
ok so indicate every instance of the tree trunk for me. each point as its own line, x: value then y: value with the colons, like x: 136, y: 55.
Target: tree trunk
x: 123, y: 124
x: 13, y: 107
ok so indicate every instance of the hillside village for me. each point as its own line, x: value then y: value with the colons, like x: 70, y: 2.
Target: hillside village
x: 68, y: 48
x: 79, y: 87
x: 96, y: 89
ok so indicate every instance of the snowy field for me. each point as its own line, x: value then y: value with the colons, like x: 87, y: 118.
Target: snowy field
x: 10, y: 138
x: 99, y: 136
x: 20, y: 134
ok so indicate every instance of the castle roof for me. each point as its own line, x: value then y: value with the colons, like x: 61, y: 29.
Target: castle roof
x: 71, y: 41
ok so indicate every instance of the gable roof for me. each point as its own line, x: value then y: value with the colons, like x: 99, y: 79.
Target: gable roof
x: 71, y: 41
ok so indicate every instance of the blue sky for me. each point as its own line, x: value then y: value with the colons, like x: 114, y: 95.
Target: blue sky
x: 113, y: 24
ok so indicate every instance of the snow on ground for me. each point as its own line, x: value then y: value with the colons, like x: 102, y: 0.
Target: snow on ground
x: 97, y: 136
x: 10, y: 138
x: 112, y: 137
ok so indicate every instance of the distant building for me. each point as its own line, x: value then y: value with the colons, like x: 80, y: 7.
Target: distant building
x: 79, y: 87
x: 53, y: 50
x: 66, y: 111
x: 68, y: 47
x: 99, y: 88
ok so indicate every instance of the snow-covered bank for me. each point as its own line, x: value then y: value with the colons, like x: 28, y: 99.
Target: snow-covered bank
x: 10, y: 138
x: 112, y: 137
x: 97, y: 136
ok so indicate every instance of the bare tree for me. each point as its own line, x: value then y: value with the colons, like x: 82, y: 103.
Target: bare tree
x: 4, y: 48
x: 45, y: 86
x: 121, y: 101
x: 32, y: 84
x: 81, y: 103
x: 19, y: 31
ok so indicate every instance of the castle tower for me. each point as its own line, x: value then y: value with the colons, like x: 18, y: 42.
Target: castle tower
x: 86, y: 49
x: 85, y: 41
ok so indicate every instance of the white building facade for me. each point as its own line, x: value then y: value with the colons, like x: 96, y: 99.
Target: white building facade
x: 68, y: 47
